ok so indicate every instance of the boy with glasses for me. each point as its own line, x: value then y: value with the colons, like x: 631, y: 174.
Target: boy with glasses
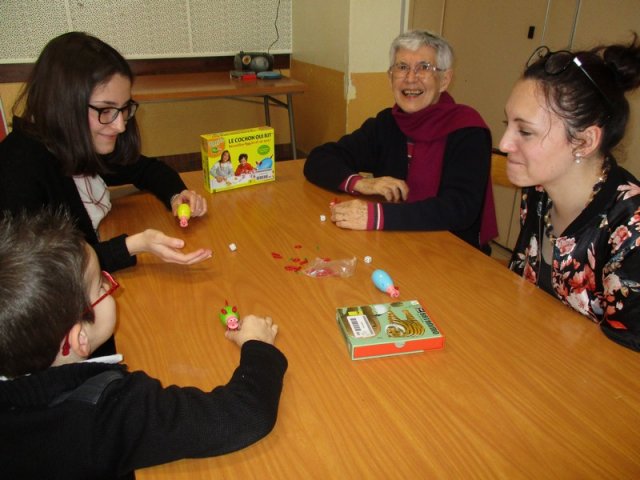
x: 65, y: 417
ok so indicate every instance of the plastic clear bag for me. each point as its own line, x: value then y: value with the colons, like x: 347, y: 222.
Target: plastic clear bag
x: 321, y: 267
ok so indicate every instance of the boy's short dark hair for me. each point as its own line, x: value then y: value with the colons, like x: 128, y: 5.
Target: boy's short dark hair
x: 42, y: 288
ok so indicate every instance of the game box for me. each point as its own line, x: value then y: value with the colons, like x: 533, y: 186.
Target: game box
x: 238, y: 158
x: 386, y: 329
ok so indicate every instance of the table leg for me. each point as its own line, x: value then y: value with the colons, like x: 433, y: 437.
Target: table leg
x: 292, y: 126
x: 267, y: 116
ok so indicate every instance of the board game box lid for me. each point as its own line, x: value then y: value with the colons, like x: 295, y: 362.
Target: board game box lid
x: 385, y: 329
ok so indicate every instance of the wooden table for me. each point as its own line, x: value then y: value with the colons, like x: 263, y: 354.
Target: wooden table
x: 198, y: 86
x: 524, y: 388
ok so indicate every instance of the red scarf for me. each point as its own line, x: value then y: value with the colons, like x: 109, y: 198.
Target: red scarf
x: 428, y: 129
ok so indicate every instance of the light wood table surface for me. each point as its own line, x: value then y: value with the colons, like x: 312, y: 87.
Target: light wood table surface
x: 524, y: 388
x: 198, y: 86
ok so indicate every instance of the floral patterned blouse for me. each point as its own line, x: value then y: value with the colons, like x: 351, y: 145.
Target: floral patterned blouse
x: 596, y: 261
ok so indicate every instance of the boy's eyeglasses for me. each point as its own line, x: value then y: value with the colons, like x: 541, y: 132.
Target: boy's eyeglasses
x: 557, y: 62
x: 107, y: 115
x: 113, y: 286
x: 400, y: 71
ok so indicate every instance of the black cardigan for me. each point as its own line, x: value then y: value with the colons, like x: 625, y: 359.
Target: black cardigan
x: 31, y: 178
x: 380, y: 147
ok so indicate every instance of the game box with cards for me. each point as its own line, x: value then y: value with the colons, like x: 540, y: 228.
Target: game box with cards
x: 386, y: 329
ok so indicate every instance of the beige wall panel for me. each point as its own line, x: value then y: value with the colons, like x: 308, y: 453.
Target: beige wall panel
x: 321, y: 33
x: 426, y: 15
x: 321, y: 111
x: 373, y: 26
x: 491, y: 49
x: 559, y: 28
x: 172, y: 128
x: 603, y: 21
x: 591, y: 31
x: 9, y: 93
x: 372, y: 94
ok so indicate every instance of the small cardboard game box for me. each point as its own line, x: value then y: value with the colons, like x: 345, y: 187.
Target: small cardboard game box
x: 386, y: 329
x: 238, y: 158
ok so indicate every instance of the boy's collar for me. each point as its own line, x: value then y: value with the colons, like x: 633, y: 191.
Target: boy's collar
x: 115, y: 358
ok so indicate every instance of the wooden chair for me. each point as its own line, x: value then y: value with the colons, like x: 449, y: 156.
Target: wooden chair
x: 499, y: 170
x: 507, y: 199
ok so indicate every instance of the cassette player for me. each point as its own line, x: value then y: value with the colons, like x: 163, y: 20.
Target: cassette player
x: 253, y: 61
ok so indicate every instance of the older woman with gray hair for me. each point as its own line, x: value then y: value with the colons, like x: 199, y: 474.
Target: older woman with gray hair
x: 427, y: 156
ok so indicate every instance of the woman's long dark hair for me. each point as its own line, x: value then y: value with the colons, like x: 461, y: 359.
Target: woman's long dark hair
x: 56, y: 98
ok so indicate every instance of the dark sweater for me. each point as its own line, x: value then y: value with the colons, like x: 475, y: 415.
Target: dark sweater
x: 31, y: 177
x: 380, y: 147
x: 136, y: 422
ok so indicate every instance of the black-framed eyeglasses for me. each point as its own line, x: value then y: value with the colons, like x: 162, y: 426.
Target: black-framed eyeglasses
x: 557, y: 62
x: 108, y: 115
x: 420, y: 70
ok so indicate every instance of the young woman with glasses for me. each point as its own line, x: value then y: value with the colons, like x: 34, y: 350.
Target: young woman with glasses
x: 580, y: 213
x: 76, y: 135
x: 429, y: 157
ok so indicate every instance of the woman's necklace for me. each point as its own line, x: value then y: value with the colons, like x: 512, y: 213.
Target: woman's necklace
x: 548, y: 226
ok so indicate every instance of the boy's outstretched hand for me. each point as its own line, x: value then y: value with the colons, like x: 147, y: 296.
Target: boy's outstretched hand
x: 253, y: 327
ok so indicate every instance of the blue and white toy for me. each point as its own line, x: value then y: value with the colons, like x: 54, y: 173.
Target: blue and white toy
x: 382, y: 281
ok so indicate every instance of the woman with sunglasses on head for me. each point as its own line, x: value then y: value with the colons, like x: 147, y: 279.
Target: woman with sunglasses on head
x: 429, y: 157
x: 580, y: 214
x: 76, y: 135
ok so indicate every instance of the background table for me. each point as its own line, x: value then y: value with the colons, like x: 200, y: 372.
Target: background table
x: 524, y: 388
x: 198, y: 86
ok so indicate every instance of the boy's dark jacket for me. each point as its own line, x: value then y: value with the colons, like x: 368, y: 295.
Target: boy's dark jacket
x: 48, y: 432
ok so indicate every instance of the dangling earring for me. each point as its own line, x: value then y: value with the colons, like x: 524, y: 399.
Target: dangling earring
x: 577, y: 158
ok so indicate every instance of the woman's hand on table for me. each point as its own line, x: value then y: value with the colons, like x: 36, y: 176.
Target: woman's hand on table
x: 164, y: 247
x: 392, y: 189
x: 196, y: 202
x: 352, y: 214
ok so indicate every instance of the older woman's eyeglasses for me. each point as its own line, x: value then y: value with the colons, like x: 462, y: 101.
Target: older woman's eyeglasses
x: 108, y: 115
x: 557, y: 62
x: 109, y: 284
x: 421, y: 70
